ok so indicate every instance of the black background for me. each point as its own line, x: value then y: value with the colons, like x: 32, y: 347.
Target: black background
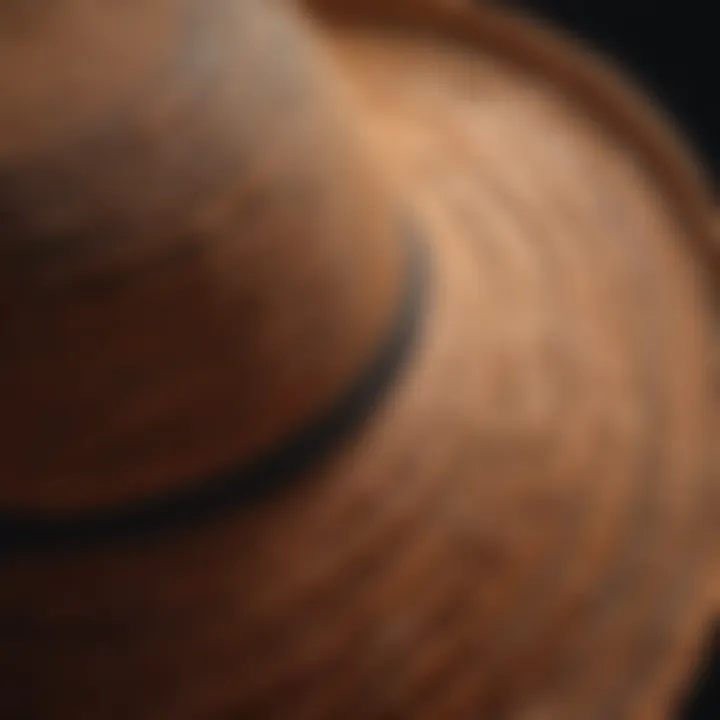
x: 671, y: 48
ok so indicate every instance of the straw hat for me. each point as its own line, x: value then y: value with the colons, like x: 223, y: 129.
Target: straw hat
x: 357, y: 363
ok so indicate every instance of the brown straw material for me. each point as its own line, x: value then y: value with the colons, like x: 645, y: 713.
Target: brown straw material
x: 526, y: 527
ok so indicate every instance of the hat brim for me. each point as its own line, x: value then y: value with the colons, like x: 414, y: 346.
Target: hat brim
x: 549, y: 455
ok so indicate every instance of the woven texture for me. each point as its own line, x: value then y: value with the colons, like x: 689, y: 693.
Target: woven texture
x: 525, y: 529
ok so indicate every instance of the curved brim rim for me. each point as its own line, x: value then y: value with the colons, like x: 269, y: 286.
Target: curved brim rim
x: 622, y: 121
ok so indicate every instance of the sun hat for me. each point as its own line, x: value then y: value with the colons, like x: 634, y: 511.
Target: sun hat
x: 358, y: 362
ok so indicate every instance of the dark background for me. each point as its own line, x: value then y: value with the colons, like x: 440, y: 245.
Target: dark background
x: 673, y: 52
x: 672, y: 48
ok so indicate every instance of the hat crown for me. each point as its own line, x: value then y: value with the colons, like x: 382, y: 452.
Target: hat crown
x: 195, y: 253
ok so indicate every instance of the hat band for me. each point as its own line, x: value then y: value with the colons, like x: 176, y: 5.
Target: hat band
x: 255, y: 480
